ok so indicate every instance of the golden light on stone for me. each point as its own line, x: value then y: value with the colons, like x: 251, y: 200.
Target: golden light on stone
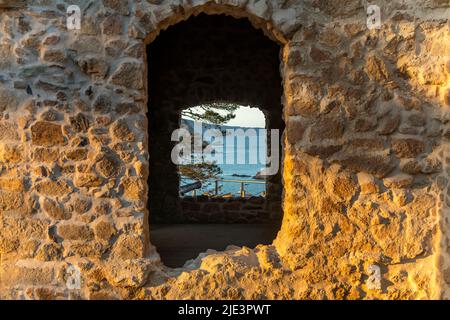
x: 365, y: 174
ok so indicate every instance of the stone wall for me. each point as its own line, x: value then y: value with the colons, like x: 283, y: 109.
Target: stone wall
x: 365, y: 166
x: 230, y: 210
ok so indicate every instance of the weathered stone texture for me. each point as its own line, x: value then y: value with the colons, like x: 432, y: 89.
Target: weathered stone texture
x: 128, y: 75
x: 47, y: 134
x: 365, y: 163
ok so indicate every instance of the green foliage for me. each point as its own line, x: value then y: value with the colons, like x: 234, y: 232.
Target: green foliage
x: 200, y: 171
x: 211, y: 113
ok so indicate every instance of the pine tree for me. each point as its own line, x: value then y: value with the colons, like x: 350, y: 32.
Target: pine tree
x: 214, y: 113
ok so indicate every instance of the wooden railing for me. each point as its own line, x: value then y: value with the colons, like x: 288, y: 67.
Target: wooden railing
x: 190, y: 187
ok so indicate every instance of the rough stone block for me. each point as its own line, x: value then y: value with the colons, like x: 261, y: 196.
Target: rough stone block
x: 47, y: 134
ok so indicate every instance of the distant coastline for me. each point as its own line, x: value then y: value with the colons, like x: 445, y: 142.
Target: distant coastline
x: 234, y: 171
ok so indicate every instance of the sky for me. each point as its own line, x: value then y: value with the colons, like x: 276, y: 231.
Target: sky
x: 248, y: 117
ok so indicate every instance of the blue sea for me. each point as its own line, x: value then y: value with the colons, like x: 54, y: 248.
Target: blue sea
x: 236, y: 171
